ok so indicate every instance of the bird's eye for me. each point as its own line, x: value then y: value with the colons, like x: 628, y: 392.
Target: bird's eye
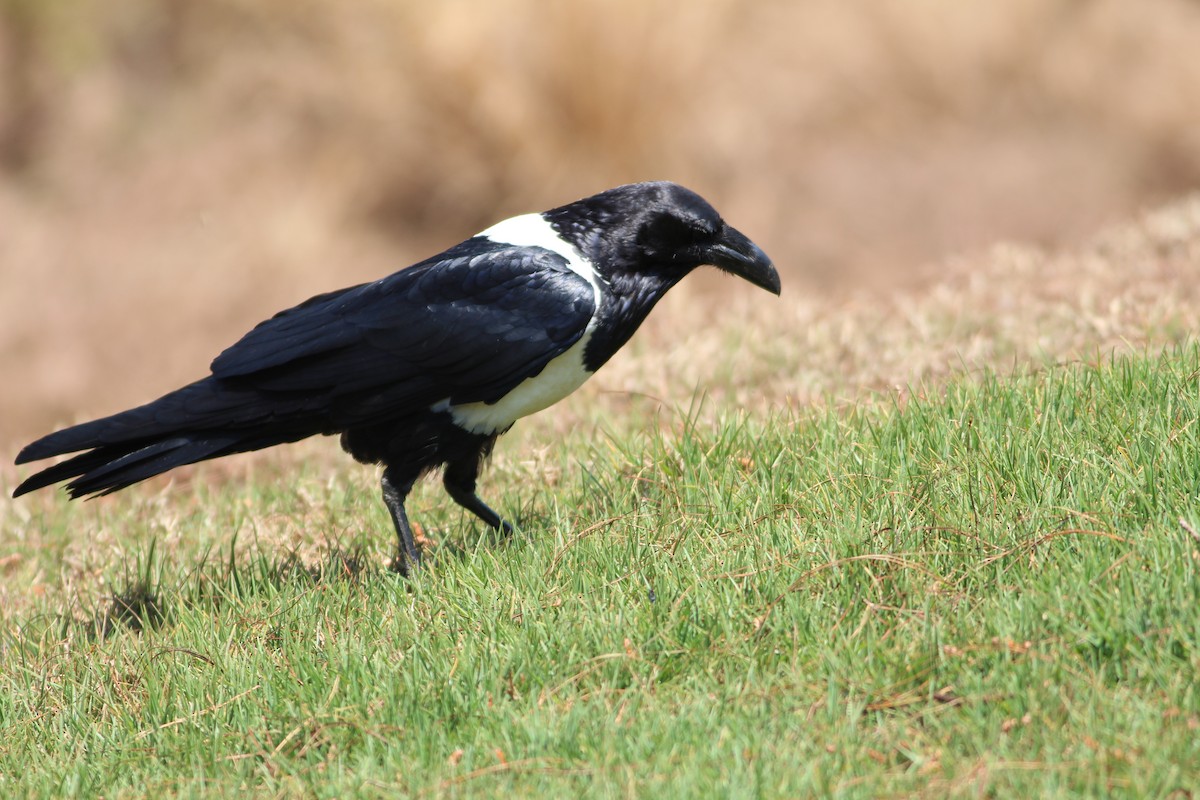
x: 671, y: 233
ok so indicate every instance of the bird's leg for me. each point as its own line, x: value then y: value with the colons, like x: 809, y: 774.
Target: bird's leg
x: 459, y: 481
x: 394, y: 493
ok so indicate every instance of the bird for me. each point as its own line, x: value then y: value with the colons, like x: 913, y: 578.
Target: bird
x: 424, y: 369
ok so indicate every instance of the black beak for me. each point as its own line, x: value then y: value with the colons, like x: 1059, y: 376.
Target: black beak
x: 736, y: 254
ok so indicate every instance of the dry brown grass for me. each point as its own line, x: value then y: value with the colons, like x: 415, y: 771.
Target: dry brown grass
x: 1131, y: 288
x: 175, y: 171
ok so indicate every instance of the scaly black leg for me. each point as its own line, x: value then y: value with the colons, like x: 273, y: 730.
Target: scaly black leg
x: 394, y: 493
x: 459, y: 481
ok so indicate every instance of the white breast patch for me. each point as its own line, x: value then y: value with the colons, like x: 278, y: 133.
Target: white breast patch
x: 563, y: 374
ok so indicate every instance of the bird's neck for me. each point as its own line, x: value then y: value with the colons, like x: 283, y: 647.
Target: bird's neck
x: 631, y: 287
x: 624, y: 304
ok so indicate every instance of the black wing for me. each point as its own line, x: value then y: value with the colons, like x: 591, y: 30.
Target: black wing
x: 468, y: 325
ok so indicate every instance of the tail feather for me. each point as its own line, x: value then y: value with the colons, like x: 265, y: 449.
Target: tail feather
x: 71, y: 468
x: 204, y: 420
x: 206, y: 405
x: 68, y: 440
x: 148, y: 462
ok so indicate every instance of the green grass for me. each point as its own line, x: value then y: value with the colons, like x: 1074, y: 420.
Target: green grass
x: 985, y: 591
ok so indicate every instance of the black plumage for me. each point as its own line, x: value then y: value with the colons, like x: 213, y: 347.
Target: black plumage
x: 427, y: 367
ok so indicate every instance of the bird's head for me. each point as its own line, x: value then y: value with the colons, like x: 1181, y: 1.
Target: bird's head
x: 664, y: 228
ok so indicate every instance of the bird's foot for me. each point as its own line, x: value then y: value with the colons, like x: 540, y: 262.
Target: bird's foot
x: 404, y: 566
x: 502, y: 533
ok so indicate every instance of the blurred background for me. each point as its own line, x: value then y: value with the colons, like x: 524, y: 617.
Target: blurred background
x: 173, y: 171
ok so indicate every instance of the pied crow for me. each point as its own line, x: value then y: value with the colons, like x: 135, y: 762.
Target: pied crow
x: 427, y: 367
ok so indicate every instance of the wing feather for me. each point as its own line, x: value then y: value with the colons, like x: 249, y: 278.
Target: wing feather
x: 468, y: 325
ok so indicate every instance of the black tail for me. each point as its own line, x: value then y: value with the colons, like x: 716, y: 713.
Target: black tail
x: 206, y: 419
